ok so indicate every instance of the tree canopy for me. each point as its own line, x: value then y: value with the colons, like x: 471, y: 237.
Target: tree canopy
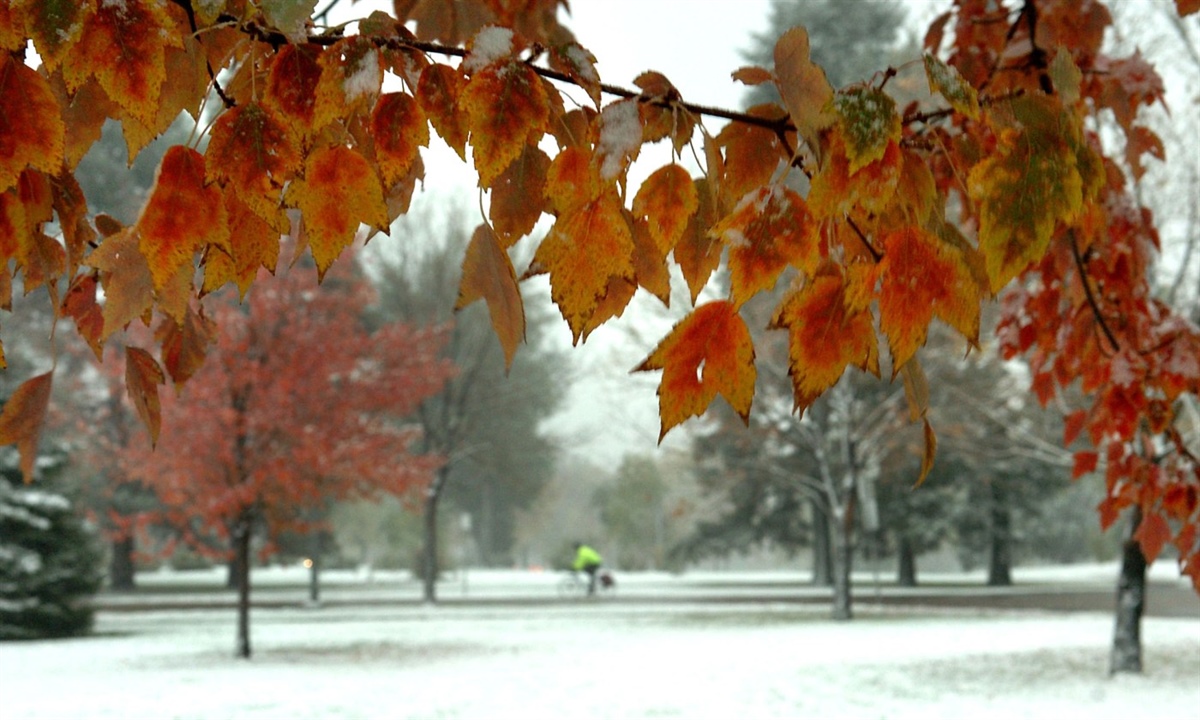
x: 1001, y: 185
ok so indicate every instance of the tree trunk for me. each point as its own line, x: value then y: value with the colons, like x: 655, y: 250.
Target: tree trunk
x: 843, y: 556
x: 120, y: 566
x: 429, y: 563
x: 1131, y: 601
x: 822, y: 556
x: 233, y: 571
x: 1000, y: 562
x: 314, y: 569
x: 906, y: 574
x: 241, y: 539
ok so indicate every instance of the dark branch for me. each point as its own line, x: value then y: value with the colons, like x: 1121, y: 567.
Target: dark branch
x: 1091, y: 298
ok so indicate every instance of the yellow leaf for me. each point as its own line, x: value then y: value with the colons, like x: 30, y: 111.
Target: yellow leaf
x: 803, y: 86
x: 507, y: 107
x: 667, y: 200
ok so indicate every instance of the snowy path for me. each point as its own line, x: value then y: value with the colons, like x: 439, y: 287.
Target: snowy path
x: 597, y: 660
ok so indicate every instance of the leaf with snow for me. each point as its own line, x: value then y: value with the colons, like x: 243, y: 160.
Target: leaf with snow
x: 507, y: 108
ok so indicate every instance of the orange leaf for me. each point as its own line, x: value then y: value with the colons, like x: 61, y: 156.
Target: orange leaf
x: 488, y: 273
x: 437, y: 92
x: 80, y: 304
x: 836, y: 191
x: 650, y: 263
x: 578, y: 63
x: 769, y: 230
x: 752, y: 153
x: 518, y: 195
x: 611, y: 305
x: 142, y: 378
x: 12, y: 29
x: 803, y: 86
x: 31, y: 126
x: 292, y: 85
x: 507, y: 107
x: 1187, y: 7
x: 1072, y: 426
x: 339, y: 191
x: 697, y: 252
x: 585, y: 248
x: 128, y: 286
x: 707, y: 353
x: 254, y: 244
x: 252, y: 152
x: 1152, y: 533
x: 667, y: 200
x: 124, y: 46
x: 929, y: 453
x: 946, y: 80
x: 824, y: 336
x: 572, y: 180
x: 185, y: 345
x: 752, y: 75
x: 399, y: 127
x: 923, y: 277
x: 181, y: 216
x: 22, y: 418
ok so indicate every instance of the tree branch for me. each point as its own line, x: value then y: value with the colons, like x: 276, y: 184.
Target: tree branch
x: 1091, y: 298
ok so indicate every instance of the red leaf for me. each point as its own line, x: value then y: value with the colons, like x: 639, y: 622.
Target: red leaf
x: 181, y: 217
x: 1152, y: 533
x: 1085, y: 462
x: 1072, y: 426
x: 31, y: 126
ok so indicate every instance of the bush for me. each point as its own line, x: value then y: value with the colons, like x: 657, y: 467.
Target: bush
x: 50, y: 564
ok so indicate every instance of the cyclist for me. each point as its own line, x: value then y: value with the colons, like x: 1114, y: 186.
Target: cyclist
x: 587, y: 560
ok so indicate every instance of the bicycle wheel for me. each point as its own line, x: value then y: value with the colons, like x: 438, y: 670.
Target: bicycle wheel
x: 570, y: 586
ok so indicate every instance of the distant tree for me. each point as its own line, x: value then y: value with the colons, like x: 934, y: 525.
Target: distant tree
x: 50, y: 562
x: 487, y: 426
x: 297, y: 405
x: 633, y: 509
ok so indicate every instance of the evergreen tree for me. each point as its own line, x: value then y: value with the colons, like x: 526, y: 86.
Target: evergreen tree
x: 50, y: 564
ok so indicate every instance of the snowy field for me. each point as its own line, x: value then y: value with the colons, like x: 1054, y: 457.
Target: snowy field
x: 601, y: 659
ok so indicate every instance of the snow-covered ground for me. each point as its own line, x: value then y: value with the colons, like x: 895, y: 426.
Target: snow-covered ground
x: 598, y: 659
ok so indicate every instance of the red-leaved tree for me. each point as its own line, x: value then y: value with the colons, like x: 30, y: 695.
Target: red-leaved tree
x: 295, y: 406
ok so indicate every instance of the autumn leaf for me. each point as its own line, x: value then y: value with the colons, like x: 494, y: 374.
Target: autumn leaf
x: 869, y: 123
x: 667, y: 199
x: 351, y: 77
x: 399, y: 128
x: 824, y: 337
x: 585, y: 248
x: 181, y: 216
x: 80, y: 305
x: 338, y: 192
x: 620, y: 139
x: 185, y: 344
x: 803, y: 86
x: 488, y: 273
x: 1152, y: 534
x: 769, y: 231
x: 837, y: 191
x: 252, y: 152
x: 53, y: 25
x: 142, y: 378
x: 752, y: 154
x: 292, y: 85
x: 125, y: 276
x: 929, y: 452
x: 922, y: 278
x: 437, y: 92
x: 650, y: 263
x: 572, y: 180
x: 698, y: 253
x: 579, y: 64
x: 707, y: 353
x: 253, y: 244
x: 22, y: 418
x: 124, y: 47
x: 31, y: 126
x: 612, y: 304
x: 289, y: 17
x: 946, y: 80
x: 1024, y: 189
x: 517, y: 195
x: 506, y: 106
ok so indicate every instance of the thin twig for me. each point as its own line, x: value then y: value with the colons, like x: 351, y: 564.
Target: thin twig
x: 1091, y: 298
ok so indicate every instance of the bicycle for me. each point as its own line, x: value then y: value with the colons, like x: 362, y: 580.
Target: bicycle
x: 575, y: 584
